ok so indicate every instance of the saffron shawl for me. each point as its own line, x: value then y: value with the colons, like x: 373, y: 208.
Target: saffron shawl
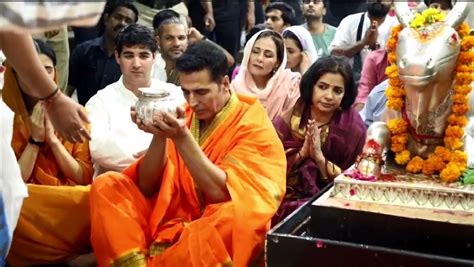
x: 177, y: 227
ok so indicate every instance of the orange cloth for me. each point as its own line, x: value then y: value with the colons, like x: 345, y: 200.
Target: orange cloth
x: 54, y: 226
x: 46, y: 170
x: 174, y: 228
x: 54, y: 223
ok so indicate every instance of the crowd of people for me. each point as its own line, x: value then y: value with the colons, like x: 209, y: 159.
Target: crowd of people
x: 251, y: 141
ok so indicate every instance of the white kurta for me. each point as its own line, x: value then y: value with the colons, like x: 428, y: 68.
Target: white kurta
x: 158, y: 72
x: 12, y: 187
x: 115, y: 138
x: 346, y: 32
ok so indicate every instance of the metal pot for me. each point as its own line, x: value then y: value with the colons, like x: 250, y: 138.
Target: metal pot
x: 151, y: 100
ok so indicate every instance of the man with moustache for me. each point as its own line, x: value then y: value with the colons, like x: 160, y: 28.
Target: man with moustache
x: 173, y: 38
x: 92, y: 65
x: 322, y: 33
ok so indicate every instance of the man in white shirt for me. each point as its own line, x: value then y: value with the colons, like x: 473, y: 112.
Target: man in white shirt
x: 173, y: 37
x: 116, y: 141
x: 359, y: 33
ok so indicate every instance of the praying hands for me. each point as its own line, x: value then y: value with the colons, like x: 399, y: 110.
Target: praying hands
x: 312, y: 143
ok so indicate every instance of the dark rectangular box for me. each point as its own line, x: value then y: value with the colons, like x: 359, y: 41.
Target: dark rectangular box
x: 326, y: 236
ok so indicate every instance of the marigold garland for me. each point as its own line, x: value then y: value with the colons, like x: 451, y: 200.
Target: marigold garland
x: 449, y: 160
x: 428, y: 16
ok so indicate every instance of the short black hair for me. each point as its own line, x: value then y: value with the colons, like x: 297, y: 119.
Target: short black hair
x: 112, y: 5
x: 254, y: 30
x: 135, y: 34
x: 287, y: 12
x: 329, y: 64
x: 376, y: 9
x: 279, y: 43
x: 291, y: 35
x: 445, y: 4
x: 43, y: 48
x: 162, y: 16
x: 203, y: 55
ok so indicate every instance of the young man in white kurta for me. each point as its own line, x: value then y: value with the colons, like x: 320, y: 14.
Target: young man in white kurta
x: 116, y: 140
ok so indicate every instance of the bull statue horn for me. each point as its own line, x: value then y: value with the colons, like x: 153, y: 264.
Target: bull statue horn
x: 458, y: 14
x: 403, y: 12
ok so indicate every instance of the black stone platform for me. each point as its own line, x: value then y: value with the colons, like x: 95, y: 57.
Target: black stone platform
x: 327, y: 236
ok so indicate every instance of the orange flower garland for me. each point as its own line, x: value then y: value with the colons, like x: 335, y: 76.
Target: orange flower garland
x: 450, y: 161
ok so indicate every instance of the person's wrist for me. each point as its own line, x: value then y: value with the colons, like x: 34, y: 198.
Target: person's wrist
x: 51, y: 95
x: 180, y: 137
x: 36, y: 141
x: 53, y: 141
x: 51, y: 101
x: 301, y: 154
x: 319, y: 158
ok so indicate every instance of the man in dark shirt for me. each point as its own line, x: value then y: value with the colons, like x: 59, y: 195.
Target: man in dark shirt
x: 92, y: 65
x: 220, y: 20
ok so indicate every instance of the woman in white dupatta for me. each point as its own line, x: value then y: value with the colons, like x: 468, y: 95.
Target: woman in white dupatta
x: 299, y: 48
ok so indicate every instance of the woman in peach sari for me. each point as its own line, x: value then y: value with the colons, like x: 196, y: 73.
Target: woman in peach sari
x: 263, y: 74
x: 47, y: 231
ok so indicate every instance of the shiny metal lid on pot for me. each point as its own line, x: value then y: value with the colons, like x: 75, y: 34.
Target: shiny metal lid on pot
x: 152, y: 92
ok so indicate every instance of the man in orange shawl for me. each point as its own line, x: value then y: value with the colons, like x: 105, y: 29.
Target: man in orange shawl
x: 208, y: 186
x: 47, y: 230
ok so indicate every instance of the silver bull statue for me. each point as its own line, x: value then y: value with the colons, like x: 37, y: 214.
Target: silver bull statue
x: 427, y: 70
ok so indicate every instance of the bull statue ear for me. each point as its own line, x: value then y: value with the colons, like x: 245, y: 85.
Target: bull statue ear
x: 403, y: 12
x: 458, y: 14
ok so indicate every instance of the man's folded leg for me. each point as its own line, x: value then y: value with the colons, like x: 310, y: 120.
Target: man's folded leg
x: 120, y: 221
